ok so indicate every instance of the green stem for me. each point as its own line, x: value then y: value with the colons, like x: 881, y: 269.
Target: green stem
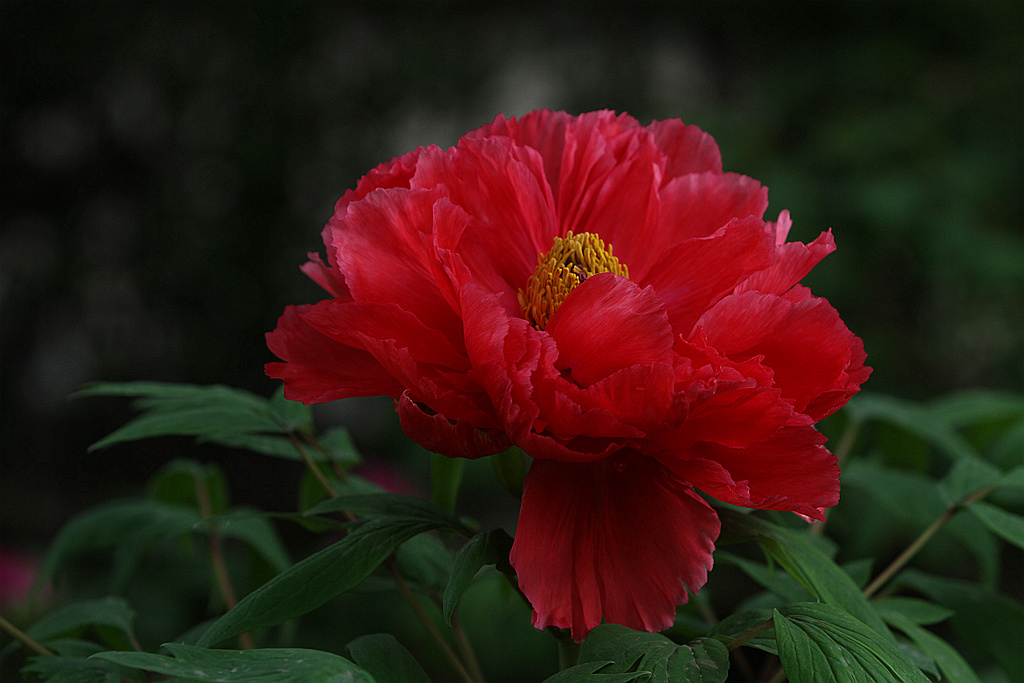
x: 926, y: 535
x: 311, y: 464
x: 568, y: 652
x: 23, y: 638
x: 750, y: 634
x: 220, y: 569
x: 428, y: 623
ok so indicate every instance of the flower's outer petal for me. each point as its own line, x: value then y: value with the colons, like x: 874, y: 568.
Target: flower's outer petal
x: 394, y: 173
x: 330, y: 279
x: 793, y: 260
x: 318, y: 368
x: 792, y: 471
x: 608, y: 323
x: 620, y: 540
x: 695, y: 274
x: 818, y: 363
x: 687, y: 149
x: 439, y: 434
x: 502, y: 187
x: 385, y: 249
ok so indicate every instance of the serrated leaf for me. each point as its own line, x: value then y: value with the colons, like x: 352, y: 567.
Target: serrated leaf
x: 1006, y: 525
x: 914, y: 609
x: 318, y: 578
x: 808, y: 565
x: 109, y: 611
x: 588, y: 673
x: 445, y: 478
x: 135, y: 521
x: 703, y: 660
x: 487, y: 547
x: 819, y: 643
x: 384, y: 658
x: 228, y: 666
x: 953, y: 666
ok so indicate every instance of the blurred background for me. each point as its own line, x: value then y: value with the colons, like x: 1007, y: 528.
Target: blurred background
x: 166, y: 167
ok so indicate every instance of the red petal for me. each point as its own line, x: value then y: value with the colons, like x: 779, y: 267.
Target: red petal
x: 818, y: 363
x: 696, y: 273
x: 793, y: 260
x: 688, y: 149
x: 620, y: 540
x: 608, y: 323
x: 318, y: 368
x: 385, y: 250
x: 439, y: 434
x: 790, y: 471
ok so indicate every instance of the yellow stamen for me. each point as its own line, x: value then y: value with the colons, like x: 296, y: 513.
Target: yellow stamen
x: 571, y: 260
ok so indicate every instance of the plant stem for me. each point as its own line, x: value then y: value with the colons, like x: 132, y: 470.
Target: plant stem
x: 466, y: 648
x: 750, y: 634
x: 311, y: 464
x: 428, y: 623
x: 23, y: 638
x: 926, y: 535
x: 220, y: 569
x: 568, y: 652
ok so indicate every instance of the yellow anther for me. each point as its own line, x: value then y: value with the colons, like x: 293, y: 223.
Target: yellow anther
x: 571, y: 260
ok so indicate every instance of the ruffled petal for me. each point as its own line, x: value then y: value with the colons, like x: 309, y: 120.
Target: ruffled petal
x: 687, y: 149
x: 792, y: 261
x: 791, y: 471
x: 618, y: 540
x: 608, y: 323
x: 440, y: 434
x: 385, y: 250
x: 318, y: 368
x: 818, y: 363
x: 696, y: 273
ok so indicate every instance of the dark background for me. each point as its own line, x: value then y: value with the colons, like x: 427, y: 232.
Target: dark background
x: 165, y: 168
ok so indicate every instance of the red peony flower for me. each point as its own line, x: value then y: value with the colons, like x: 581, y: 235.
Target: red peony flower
x: 602, y: 295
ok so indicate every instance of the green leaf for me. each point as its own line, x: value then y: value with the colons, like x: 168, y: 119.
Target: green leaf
x: 265, y: 444
x: 967, y: 476
x: 953, y: 666
x: 587, y: 673
x: 109, y: 611
x: 340, y: 447
x: 912, y: 418
x: 738, y: 623
x: 384, y: 658
x: 425, y: 562
x: 703, y: 660
x: 204, y: 420
x: 984, y: 619
x: 226, y: 666
x: 180, y: 482
x: 73, y: 669
x: 808, y: 565
x: 1006, y: 525
x: 256, y: 531
x: 318, y: 578
x: 1014, y: 479
x: 510, y: 468
x: 446, y: 477
x: 390, y: 505
x: 487, y: 547
x: 819, y: 643
x: 778, y: 582
x: 917, y: 611
x: 291, y: 415
x: 970, y: 407
x: 115, y: 523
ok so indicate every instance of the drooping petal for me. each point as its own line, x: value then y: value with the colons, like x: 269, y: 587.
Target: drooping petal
x: 791, y: 471
x: 618, y: 540
x: 440, y: 434
x: 317, y: 368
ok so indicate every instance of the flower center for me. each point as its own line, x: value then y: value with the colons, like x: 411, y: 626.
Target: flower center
x: 571, y: 260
